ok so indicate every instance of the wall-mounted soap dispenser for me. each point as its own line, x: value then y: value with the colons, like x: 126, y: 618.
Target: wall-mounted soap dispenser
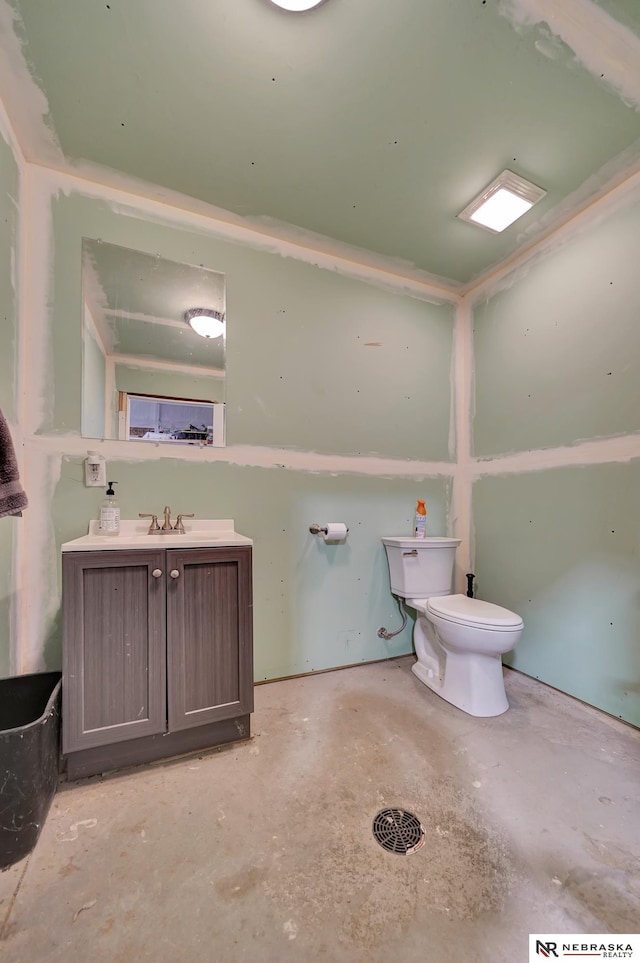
x: 95, y: 470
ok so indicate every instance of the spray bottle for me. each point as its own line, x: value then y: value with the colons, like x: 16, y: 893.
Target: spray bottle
x: 420, y: 525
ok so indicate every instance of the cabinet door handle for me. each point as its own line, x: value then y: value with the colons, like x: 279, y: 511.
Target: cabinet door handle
x: 174, y: 573
x: 157, y: 572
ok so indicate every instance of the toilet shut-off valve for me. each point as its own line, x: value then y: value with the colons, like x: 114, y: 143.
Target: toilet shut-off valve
x: 383, y: 633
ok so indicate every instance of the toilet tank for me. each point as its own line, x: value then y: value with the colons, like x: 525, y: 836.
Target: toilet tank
x: 420, y: 568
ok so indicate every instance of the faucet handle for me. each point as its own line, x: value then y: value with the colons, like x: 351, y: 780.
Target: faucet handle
x: 153, y: 527
x: 179, y: 527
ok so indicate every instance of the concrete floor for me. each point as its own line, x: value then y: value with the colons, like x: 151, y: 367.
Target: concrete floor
x: 263, y: 851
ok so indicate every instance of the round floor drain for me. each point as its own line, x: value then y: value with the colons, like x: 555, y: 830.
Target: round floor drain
x: 398, y: 831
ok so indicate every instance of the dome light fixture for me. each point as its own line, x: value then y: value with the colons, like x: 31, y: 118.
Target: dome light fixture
x: 297, y: 6
x: 205, y: 321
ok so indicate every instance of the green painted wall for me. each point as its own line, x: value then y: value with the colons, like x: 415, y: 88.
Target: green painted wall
x: 323, y: 363
x: 315, y: 361
x: 557, y: 354
x: 9, y: 201
x: 369, y: 369
x: 315, y: 605
x: 564, y: 554
x: 557, y: 361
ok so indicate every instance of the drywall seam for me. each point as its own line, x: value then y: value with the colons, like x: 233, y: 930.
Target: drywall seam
x: 30, y: 106
x: 595, y: 211
x: 21, y: 545
x: 109, y: 392
x: 215, y: 222
x: 40, y: 591
x: 155, y: 364
x: 462, y: 378
x: 604, y: 46
x: 246, y: 456
x: 16, y: 615
x: 147, y: 318
x: 37, y: 346
x: 95, y: 302
x: 92, y: 327
x: 623, y: 448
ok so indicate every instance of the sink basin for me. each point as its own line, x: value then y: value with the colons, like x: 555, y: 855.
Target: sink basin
x: 199, y: 533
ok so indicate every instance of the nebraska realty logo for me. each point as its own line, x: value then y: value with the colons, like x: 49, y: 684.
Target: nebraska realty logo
x: 605, y: 946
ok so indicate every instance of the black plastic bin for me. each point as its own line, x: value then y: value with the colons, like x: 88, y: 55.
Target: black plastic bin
x: 29, y: 759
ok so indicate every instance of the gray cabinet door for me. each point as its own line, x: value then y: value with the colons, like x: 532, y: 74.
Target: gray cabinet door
x: 209, y: 633
x: 114, y: 652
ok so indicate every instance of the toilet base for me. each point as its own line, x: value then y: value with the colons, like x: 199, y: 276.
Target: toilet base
x: 484, y: 705
x: 471, y: 682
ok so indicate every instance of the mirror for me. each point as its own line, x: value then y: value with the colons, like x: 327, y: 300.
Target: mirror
x: 146, y: 374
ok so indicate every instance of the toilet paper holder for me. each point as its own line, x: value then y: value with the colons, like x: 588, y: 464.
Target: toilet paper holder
x: 316, y: 529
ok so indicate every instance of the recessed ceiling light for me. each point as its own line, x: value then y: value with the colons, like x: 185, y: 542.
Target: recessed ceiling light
x: 506, y: 199
x: 205, y: 322
x: 297, y: 5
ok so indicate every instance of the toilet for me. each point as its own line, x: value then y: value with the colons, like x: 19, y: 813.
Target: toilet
x: 459, y: 641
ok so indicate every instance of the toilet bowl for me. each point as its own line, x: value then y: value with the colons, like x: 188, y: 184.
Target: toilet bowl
x: 459, y: 641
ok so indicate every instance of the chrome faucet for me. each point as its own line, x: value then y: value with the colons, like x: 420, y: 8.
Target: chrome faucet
x: 167, y: 528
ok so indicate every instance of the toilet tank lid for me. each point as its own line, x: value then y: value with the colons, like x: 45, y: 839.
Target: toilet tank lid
x: 431, y: 541
x: 473, y: 611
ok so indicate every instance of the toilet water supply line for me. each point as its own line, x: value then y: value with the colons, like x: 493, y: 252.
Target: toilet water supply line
x: 382, y: 632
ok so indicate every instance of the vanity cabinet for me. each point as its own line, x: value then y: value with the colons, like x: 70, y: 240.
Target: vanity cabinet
x: 157, y: 653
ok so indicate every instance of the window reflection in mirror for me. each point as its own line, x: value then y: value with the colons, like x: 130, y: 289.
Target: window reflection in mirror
x: 178, y: 420
x: 137, y: 342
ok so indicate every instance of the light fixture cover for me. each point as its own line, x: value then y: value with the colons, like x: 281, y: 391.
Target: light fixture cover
x: 505, y: 199
x: 297, y: 6
x: 205, y: 321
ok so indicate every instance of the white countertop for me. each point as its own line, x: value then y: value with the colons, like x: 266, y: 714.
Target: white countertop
x: 199, y: 533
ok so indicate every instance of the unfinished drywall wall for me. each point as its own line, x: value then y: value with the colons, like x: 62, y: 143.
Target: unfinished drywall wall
x: 315, y: 361
x: 556, y: 351
x: 162, y: 381
x: 9, y: 201
x: 558, y: 362
x: 339, y: 409
x: 565, y: 556
x: 315, y: 605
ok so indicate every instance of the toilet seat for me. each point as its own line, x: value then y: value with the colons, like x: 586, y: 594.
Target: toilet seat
x: 474, y: 612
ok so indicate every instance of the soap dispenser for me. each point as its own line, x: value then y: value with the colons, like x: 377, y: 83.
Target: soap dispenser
x: 109, y: 523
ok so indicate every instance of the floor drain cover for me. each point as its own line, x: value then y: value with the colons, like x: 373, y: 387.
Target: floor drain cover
x: 398, y: 831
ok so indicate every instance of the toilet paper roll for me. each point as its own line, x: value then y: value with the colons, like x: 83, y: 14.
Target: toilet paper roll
x: 336, y: 532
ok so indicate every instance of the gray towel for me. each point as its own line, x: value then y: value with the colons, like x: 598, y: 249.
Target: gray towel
x: 12, y: 496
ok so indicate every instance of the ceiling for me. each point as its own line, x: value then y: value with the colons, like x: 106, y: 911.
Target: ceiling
x: 364, y: 126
